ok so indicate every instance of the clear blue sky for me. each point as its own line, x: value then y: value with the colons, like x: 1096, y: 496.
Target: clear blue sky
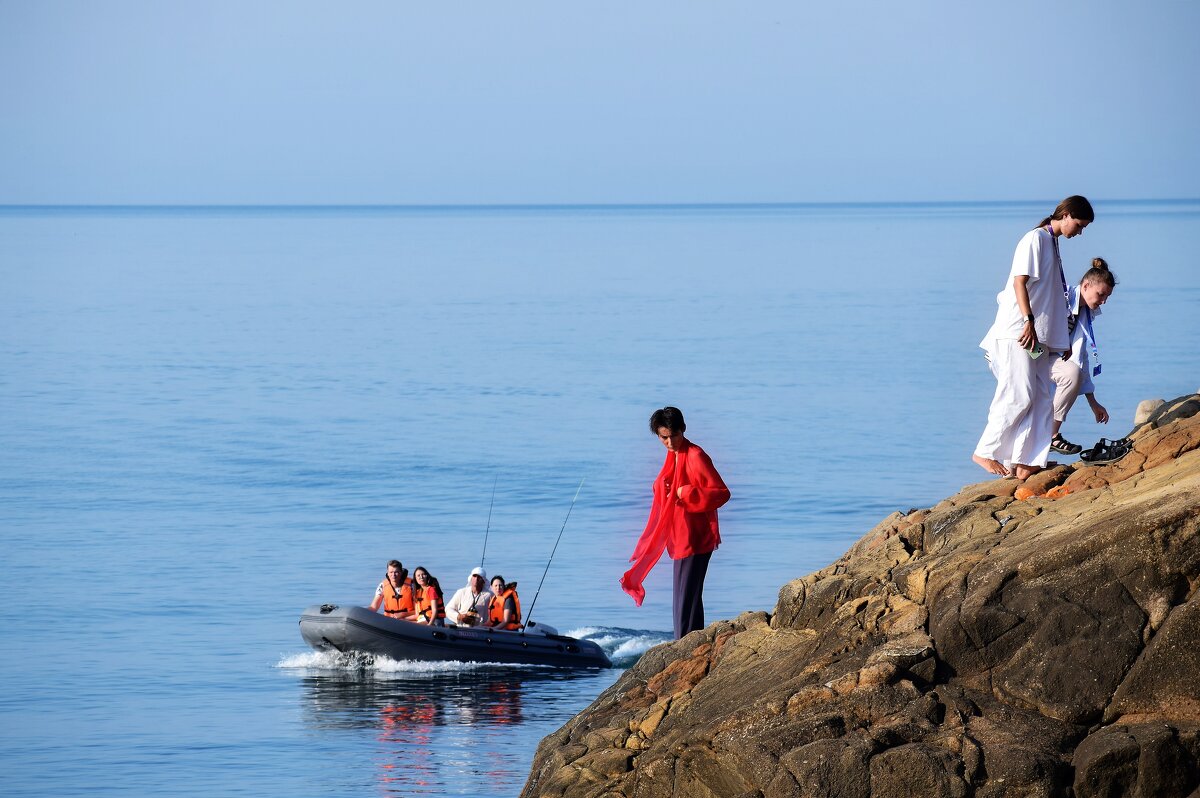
x: 169, y: 101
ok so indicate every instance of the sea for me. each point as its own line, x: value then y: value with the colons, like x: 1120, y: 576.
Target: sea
x: 212, y: 418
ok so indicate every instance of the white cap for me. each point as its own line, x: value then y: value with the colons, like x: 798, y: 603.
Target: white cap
x: 477, y: 571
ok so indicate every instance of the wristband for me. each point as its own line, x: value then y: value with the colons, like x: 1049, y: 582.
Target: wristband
x: 1029, y: 317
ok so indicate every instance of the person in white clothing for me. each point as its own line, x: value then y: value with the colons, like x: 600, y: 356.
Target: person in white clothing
x: 1030, y: 327
x: 470, y: 602
x: 1073, y: 372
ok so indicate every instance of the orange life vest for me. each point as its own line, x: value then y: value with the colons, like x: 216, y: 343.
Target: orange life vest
x: 398, y: 602
x: 496, y: 610
x: 425, y: 597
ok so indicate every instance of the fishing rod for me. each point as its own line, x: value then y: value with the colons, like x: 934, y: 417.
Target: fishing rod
x: 533, y: 603
x: 483, y: 556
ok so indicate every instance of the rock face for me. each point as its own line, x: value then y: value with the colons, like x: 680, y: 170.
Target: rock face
x: 982, y: 647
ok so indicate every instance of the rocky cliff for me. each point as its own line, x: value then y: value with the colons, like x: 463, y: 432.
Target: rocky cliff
x: 982, y: 647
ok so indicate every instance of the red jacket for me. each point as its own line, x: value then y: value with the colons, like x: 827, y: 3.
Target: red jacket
x: 682, y: 526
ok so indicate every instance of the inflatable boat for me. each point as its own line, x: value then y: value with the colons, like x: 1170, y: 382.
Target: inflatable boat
x: 329, y: 627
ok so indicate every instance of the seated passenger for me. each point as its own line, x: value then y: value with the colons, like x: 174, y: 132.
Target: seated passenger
x: 431, y: 607
x: 395, y: 593
x: 471, y: 601
x: 504, y: 610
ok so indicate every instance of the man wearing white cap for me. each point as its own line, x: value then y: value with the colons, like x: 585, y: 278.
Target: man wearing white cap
x: 464, y: 609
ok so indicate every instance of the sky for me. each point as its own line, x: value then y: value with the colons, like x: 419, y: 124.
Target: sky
x: 299, y: 102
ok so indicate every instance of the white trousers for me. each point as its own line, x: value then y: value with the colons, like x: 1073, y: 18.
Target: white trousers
x: 1018, y: 425
x: 1068, y: 379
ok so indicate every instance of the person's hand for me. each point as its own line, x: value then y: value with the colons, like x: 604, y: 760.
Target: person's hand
x: 679, y: 492
x: 1100, y: 412
x: 1028, y: 338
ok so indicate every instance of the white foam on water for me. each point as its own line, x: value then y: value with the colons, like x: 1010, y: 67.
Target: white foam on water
x: 408, y: 667
x: 381, y: 665
x: 623, y: 646
x: 312, y: 660
x: 584, y: 632
x: 636, y: 646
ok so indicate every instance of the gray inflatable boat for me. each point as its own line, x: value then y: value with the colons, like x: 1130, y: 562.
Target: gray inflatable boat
x: 329, y: 627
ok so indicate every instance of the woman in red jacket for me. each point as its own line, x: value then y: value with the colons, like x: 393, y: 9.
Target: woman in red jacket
x: 683, y: 522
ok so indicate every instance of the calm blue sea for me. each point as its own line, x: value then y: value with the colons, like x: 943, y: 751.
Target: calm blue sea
x: 213, y: 418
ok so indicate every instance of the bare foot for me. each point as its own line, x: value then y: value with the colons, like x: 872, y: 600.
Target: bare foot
x: 991, y: 466
x: 1024, y: 471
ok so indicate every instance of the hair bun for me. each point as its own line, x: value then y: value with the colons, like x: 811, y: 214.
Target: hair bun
x: 1099, y: 263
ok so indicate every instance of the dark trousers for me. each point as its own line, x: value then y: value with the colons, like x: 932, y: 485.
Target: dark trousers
x: 688, y: 606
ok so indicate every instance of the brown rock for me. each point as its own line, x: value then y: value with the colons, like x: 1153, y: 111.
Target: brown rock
x: 916, y: 769
x: 1162, y: 683
x: 682, y: 674
x: 1153, y: 760
x: 985, y: 647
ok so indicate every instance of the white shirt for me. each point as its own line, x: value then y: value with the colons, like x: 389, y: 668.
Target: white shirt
x: 1079, y: 345
x: 463, y: 600
x: 1036, y: 257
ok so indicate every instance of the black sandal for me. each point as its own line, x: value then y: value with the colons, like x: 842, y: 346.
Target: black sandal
x: 1104, y: 452
x: 1063, y: 446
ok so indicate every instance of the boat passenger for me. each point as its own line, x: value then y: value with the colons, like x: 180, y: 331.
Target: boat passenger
x: 504, y: 610
x: 465, y: 607
x: 395, y: 593
x: 431, y: 606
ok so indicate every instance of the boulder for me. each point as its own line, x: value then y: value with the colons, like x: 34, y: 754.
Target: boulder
x: 1145, y: 409
x: 982, y: 647
x: 1166, y: 412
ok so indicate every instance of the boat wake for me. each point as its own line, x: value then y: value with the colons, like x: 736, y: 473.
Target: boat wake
x: 379, y: 665
x: 623, y: 646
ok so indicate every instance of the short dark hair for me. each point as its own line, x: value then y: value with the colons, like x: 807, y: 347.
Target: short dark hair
x: 396, y: 564
x: 497, y: 576
x: 669, y: 417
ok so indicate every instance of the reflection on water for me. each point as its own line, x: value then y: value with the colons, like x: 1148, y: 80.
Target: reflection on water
x: 404, y: 725
x: 430, y: 728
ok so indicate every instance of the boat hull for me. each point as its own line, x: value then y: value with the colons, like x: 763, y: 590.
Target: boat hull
x: 329, y: 627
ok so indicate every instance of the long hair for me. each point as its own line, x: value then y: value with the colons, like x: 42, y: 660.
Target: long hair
x: 1075, y: 206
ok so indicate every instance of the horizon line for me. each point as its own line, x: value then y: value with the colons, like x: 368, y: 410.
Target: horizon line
x: 520, y: 206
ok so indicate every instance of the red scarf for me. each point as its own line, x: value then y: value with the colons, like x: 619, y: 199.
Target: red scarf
x: 682, y: 526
